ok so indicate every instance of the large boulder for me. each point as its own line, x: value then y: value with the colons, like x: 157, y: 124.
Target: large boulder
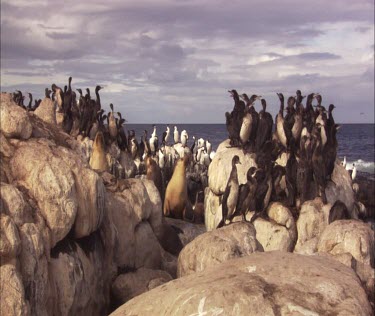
x: 76, y: 283
x: 128, y: 164
x: 10, y: 243
x: 188, y: 231
x: 65, y: 189
x: 129, y: 285
x: 134, y: 215
x: 221, y: 166
x: 312, y: 220
x: 12, y: 292
x: 46, y: 111
x: 341, y: 187
x: 212, y: 209
x: 349, y: 236
x: 34, y: 267
x: 15, y: 205
x: 278, y: 233
x: 14, y: 120
x: 214, y: 247
x: 269, y: 283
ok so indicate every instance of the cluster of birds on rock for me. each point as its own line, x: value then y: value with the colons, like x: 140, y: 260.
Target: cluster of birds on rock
x: 108, y: 147
x: 307, y: 136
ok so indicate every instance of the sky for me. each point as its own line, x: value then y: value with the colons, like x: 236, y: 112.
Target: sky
x: 173, y: 61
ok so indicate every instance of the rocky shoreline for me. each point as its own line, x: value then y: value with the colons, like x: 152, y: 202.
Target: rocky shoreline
x: 75, y: 242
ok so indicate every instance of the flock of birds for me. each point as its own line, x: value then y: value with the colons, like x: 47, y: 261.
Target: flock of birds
x: 83, y: 116
x: 306, y: 135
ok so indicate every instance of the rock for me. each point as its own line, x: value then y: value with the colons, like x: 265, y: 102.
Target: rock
x: 12, y: 293
x: 312, y: 220
x: 15, y: 204
x: 14, y: 120
x: 50, y: 182
x: 6, y: 149
x: 212, y: 248
x: 63, y: 186
x: 212, y: 210
x: 46, y: 111
x: 76, y: 284
x: 169, y: 263
x: 269, y: 283
x: 156, y: 213
x: 128, y: 164
x: 340, y: 188
x: 134, y: 217
x: 278, y: 234
x: 221, y: 166
x: 189, y: 231
x: 132, y: 284
x: 147, y: 247
x: 10, y: 243
x: 349, y: 236
x: 90, y: 193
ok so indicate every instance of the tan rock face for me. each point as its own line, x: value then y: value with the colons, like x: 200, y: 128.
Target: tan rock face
x: 134, y: 217
x: 12, y: 293
x: 269, y: 283
x: 221, y: 166
x: 14, y: 120
x: 189, y: 231
x: 212, y: 248
x: 66, y: 191
x: 349, y: 236
x: 212, y: 210
x: 341, y: 187
x: 278, y: 234
x: 50, y: 182
x: 46, y: 111
x: 76, y: 283
x: 15, y: 204
x: 10, y: 243
x: 132, y: 284
x: 313, y: 219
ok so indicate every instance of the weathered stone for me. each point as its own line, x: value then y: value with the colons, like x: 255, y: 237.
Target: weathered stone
x: 10, y: 243
x: 132, y: 284
x: 90, y: 192
x: 340, y: 188
x: 46, y: 111
x: 6, y: 149
x: 349, y: 236
x: 66, y: 190
x: 269, y: 283
x: 134, y: 217
x: 278, y: 234
x: 15, y: 204
x: 12, y: 293
x: 212, y: 248
x: 14, y: 120
x: 50, y: 182
x: 221, y: 166
x: 312, y: 220
x: 212, y: 209
x: 75, y: 284
x: 156, y: 213
x: 189, y: 231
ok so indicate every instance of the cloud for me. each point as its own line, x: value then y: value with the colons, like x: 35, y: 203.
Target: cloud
x: 182, y: 56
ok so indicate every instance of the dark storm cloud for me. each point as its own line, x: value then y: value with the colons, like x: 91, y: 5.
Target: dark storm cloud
x: 179, y: 55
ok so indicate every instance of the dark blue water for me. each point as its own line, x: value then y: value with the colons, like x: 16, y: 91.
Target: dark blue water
x: 356, y: 141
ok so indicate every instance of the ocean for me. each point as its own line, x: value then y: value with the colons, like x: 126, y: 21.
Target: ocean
x: 356, y: 141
